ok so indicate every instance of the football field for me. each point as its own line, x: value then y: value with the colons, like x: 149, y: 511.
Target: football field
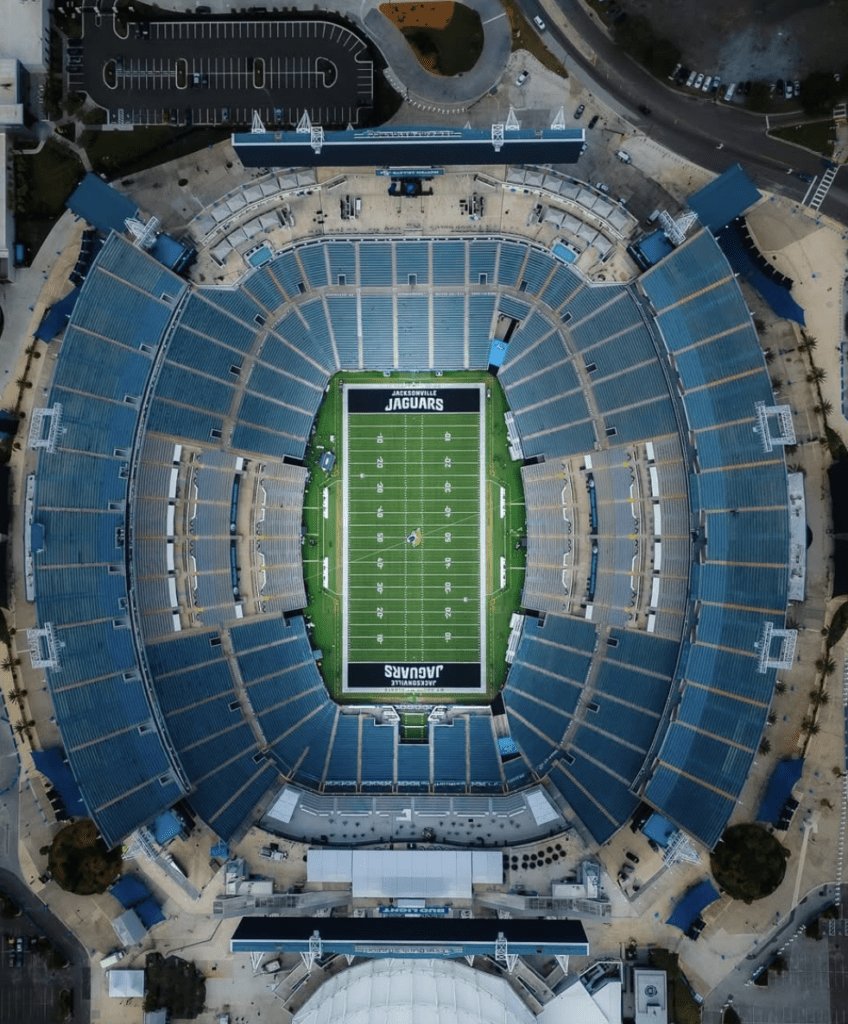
x: 413, y: 538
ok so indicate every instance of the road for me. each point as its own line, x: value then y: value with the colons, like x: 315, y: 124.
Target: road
x: 707, y: 133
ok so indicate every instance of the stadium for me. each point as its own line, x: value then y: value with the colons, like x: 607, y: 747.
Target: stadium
x: 167, y: 556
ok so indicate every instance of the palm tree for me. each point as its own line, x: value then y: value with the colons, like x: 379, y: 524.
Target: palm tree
x: 810, y: 726
x: 23, y: 727
x: 824, y: 408
x: 22, y: 383
x: 772, y: 717
x: 826, y: 665
x: 9, y: 663
x: 816, y: 375
x: 776, y: 383
x: 780, y: 687
x: 837, y: 771
x: 769, y: 356
x: 810, y: 342
x: 17, y: 695
x: 819, y: 698
x: 765, y: 745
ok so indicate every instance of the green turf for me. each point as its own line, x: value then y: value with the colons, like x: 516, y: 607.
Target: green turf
x: 323, y: 537
x: 414, y: 474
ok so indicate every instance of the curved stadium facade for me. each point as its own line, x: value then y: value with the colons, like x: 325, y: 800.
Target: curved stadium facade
x: 180, y: 416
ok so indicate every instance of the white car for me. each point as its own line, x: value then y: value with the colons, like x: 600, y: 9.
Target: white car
x: 624, y: 156
x: 690, y: 81
x: 699, y: 81
x: 537, y: 21
x: 601, y: 187
x: 708, y: 81
x: 522, y: 78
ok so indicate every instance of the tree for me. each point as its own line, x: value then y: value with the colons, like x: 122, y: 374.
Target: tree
x: 826, y: 665
x: 780, y: 687
x: 769, y: 356
x: 22, y: 728
x: 16, y: 695
x: 776, y: 383
x: 9, y: 663
x: 810, y: 342
x: 816, y: 375
x: 819, y: 697
x: 824, y: 407
x: 810, y: 726
x: 772, y: 717
x: 765, y: 745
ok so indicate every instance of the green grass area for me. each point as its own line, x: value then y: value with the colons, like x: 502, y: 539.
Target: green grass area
x: 413, y: 475
x: 42, y: 184
x: 127, y: 152
x: 323, y: 536
x: 815, y: 135
x: 682, y: 1008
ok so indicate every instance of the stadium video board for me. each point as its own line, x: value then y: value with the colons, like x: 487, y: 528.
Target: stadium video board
x: 413, y: 538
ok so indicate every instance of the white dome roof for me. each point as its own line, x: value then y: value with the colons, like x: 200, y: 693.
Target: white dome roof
x: 414, y: 992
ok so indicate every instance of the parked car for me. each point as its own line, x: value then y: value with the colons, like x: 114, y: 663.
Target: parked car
x: 624, y: 156
x: 730, y: 90
x: 594, y: 120
x: 682, y: 75
x: 708, y: 81
x: 537, y: 21
x: 522, y: 78
x: 699, y: 81
x: 796, y: 88
x: 716, y: 83
x: 578, y: 113
x: 631, y: 856
x: 690, y: 81
x: 601, y: 187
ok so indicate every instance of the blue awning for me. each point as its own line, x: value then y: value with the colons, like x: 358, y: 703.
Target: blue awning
x: 688, y: 910
x: 51, y: 763
x: 659, y: 829
x: 783, y: 778
x: 101, y: 205
x: 129, y: 890
x: 165, y: 826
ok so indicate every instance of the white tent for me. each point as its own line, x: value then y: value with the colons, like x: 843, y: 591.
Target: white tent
x: 415, y: 992
x: 126, y: 984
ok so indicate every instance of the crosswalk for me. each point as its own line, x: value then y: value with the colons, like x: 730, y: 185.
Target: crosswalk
x: 822, y: 188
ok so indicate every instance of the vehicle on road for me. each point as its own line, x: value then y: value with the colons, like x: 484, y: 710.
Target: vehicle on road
x: 644, y: 110
x: 578, y: 113
x: 805, y: 177
x: 522, y: 78
x: 624, y: 156
x: 537, y: 21
x: 594, y: 120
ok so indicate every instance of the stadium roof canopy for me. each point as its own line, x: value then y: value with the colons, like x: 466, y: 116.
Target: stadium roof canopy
x: 720, y: 202
x: 392, y: 937
x: 409, y: 147
x: 100, y: 205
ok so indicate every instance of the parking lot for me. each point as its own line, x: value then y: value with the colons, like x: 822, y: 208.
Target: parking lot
x: 219, y: 72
